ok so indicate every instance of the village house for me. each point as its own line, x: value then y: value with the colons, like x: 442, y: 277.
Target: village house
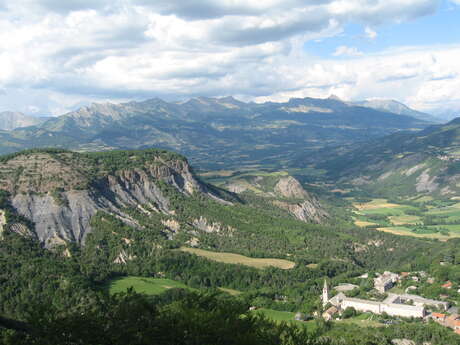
x: 329, y: 314
x: 385, y: 281
x: 447, y: 285
x: 438, y: 317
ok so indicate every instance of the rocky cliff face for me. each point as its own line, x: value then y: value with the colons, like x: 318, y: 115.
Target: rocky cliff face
x: 59, y: 192
x: 289, y: 187
x: 307, y: 209
x: 285, y: 192
x: 310, y: 211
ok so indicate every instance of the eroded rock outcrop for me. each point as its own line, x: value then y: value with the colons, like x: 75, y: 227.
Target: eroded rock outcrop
x: 289, y: 187
x: 308, y: 210
x: 59, y: 192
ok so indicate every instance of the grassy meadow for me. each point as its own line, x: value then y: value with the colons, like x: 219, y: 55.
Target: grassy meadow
x: 418, y: 217
x: 230, y: 258
x: 148, y: 286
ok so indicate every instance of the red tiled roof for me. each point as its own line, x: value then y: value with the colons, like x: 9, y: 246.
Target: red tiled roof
x: 447, y: 285
x: 438, y: 315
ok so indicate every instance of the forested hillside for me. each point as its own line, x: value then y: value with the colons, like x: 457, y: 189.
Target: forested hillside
x: 149, y: 205
x: 405, y: 164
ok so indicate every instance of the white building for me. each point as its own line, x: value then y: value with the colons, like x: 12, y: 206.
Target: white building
x: 385, y: 281
x: 405, y: 305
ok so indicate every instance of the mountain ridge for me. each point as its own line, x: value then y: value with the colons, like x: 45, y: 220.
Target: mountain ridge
x: 207, y: 129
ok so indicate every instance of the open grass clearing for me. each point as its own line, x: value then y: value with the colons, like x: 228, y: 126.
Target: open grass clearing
x: 454, y: 229
x: 447, y: 210
x: 148, y: 286
x: 286, y: 316
x: 381, y: 207
x: 404, y: 219
x: 217, y: 173
x: 277, y: 315
x: 375, y: 204
x: 363, y: 223
x: 231, y: 258
x: 404, y: 231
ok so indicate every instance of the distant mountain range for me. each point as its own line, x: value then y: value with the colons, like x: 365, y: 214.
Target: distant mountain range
x: 214, y: 132
x: 396, y: 107
x: 10, y: 120
x: 403, y: 164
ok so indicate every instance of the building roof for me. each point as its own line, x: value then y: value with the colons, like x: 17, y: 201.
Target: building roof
x: 447, y: 285
x: 438, y: 315
x: 337, y: 299
x: 420, y: 299
x: 331, y: 310
x: 365, y: 301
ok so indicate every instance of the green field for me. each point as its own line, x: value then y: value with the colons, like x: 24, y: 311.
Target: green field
x: 408, y: 220
x: 231, y: 258
x: 149, y: 286
x: 278, y: 315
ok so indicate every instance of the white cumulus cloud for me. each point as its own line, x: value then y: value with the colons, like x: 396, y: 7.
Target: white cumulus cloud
x: 56, y: 54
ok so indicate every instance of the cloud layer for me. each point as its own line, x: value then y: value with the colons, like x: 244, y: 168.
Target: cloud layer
x: 57, y: 54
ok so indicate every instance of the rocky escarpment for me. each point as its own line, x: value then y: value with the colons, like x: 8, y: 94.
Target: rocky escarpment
x: 285, y: 192
x: 307, y: 211
x: 59, y: 192
x: 307, y: 208
x: 289, y: 187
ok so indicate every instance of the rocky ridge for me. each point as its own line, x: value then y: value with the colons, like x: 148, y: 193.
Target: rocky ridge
x: 60, y: 191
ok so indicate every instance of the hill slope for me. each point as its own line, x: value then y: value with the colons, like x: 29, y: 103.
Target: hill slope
x: 405, y: 163
x: 122, y: 204
x: 208, y: 129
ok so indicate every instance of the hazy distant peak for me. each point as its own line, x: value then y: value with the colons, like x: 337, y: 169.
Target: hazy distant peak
x: 10, y: 120
x: 396, y: 107
x: 335, y: 98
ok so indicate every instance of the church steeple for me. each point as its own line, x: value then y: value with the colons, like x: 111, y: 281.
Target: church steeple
x: 325, y: 297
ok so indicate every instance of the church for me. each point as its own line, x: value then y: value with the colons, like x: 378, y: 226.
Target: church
x: 404, y: 305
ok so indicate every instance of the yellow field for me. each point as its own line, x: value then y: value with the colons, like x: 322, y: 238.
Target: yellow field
x: 405, y: 219
x: 219, y: 173
x: 231, y: 258
x: 362, y: 223
x: 374, y: 204
x: 406, y: 232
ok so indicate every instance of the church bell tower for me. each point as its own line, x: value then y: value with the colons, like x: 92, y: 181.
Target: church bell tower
x: 325, y: 297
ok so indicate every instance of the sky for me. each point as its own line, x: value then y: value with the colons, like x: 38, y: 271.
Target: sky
x: 56, y: 55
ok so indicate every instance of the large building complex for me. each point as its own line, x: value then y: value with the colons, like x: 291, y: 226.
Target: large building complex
x: 404, y: 305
